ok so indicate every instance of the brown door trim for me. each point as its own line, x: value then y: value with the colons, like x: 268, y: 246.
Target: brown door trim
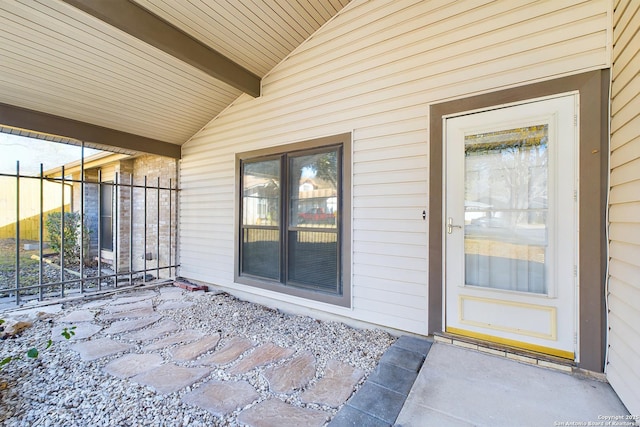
x: 593, y: 88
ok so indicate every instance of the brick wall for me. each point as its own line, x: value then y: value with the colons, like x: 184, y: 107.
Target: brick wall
x: 162, y: 172
x: 129, y: 213
x: 91, y: 209
x: 122, y: 211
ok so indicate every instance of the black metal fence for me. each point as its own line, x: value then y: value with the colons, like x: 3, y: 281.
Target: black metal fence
x: 143, y: 225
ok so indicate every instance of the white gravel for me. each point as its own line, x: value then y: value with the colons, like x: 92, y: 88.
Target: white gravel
x: 59, y: 389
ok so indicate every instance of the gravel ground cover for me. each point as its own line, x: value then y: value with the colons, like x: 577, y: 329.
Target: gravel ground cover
x: 30, y: 270
x: 60, y: 389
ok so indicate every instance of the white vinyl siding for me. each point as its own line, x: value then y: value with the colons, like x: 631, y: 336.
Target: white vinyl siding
x: 374, y: 70
x: 623, y: 367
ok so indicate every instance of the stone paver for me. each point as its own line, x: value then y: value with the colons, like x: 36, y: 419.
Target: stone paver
x: 181, y: 337
x: 95, y: 304
x: 138, y: 305
x: 292, y: 375
x: 78, y: 316
x: 276, y: 413
x: 82, y: 331
x: 170, y: 378
x: 230, y: 352
x: 174, y: 305
x: 222, y: 397
x: 160, y: 329
x: 131, y: 325
x: 130, y: 365
x: 134, y: 319
x: 335, y: 387
x: 171, y: 293
x: 127, y: 314
x: 138, y: 296
x: 262, y: 355
x: 95, y: 349
x: 192, y: 351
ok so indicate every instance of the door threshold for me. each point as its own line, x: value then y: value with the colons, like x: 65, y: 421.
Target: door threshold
x: 517, y: 354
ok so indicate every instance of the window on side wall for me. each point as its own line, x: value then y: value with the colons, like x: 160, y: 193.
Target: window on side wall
x: 293, y: 221
x: 106, y: 216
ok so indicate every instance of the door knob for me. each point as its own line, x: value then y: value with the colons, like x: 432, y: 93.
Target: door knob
x: 451, y: 226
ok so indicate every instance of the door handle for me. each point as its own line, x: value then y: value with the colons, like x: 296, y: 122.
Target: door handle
x: 451, y: 226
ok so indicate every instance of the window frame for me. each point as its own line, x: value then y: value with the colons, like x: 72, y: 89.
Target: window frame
x: 106, y: 188
x: 343, y: 226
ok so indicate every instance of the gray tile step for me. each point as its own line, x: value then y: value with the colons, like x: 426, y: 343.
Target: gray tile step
x: 379, y: 401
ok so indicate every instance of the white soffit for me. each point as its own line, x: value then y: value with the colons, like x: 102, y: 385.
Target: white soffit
x: 59, y: 60
x: 256, y: 34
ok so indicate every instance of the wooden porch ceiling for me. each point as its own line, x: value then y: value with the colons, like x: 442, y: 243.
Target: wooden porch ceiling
x: 141, y: 74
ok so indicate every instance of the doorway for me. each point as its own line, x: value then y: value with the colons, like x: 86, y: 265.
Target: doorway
x: 592, y: 170
x: 511, y: 215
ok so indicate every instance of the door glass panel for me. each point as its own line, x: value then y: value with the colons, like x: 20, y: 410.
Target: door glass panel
x: 506, y: 209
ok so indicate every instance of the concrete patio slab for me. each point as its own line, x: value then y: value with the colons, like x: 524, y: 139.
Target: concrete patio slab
x: 335, y: 387
x: 130, y: 365
x: 222, y: 397
x: 96, y: 349
x: 191, y: 351
x: 266, y: 353
x: 131, y: 325
x: 291, y: 375
x: 177, y: 338
x: 170, y: 378
x: 276, y: 413
x: 230, y: 352
x: 462, y: 387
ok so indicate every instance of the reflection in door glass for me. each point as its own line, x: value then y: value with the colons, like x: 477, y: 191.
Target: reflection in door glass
x: 506, y: 209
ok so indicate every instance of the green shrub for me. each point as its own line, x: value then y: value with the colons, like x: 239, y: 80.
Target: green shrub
x: 71, y: 233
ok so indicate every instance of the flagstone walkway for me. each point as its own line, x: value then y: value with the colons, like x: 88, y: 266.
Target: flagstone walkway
x: 147, y: 348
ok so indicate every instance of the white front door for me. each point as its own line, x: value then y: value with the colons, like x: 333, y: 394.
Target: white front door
x: 511, y: 225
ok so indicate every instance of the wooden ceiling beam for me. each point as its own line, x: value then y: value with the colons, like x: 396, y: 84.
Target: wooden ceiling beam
x: 36, y: 121
x: 140, y: 23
